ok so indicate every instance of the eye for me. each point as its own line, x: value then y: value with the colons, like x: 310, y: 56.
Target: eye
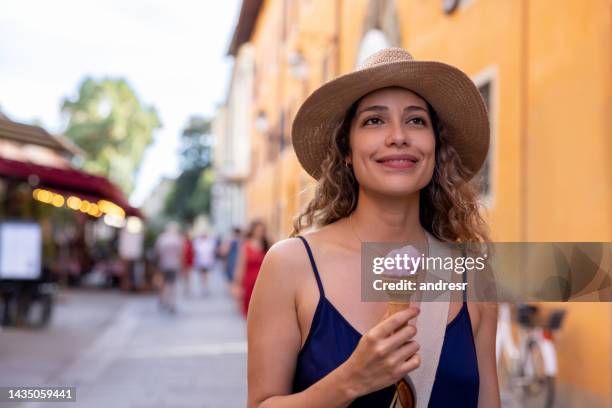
x: 418, y: 121
x: 374, y: 120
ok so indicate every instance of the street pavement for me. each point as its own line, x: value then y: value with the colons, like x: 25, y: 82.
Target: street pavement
x: 121, y: 350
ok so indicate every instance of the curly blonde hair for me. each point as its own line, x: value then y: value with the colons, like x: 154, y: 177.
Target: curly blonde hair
x: 448, y: 205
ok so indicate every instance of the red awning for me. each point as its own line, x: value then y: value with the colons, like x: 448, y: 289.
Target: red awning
x: 67, y: 180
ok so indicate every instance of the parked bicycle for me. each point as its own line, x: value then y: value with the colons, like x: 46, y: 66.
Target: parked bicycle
x: 527, y: 362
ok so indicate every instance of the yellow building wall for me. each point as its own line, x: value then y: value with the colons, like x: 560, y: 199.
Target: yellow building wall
x: 352, y: 29
x: 262, y: 193
x: 553, y: 182
x: 471, y: 39
x: 551, y: 127
x: 311, y: 30
x: 569, y: 142
x: 569, y: 123
x: 538, y: 50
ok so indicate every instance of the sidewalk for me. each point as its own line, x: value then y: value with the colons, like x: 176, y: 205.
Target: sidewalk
x: 147, y: 358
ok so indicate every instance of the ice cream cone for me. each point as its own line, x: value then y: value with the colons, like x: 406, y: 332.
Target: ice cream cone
x: 399, y: 299
x: 394, y: 307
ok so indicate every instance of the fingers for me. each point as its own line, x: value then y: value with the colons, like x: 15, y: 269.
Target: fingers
x: 405, y: 352
x: 400, y: 337
x: 410, y: 364
x: 388, y: 326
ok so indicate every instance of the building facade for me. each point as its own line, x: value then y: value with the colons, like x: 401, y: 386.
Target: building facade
x: 544, y: 69
x: 232, y: 153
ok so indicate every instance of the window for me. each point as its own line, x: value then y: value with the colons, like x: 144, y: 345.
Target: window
x: 484, y: 175
x: 484, y: 181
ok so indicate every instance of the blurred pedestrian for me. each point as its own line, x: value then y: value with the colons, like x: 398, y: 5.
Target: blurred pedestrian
x: 229, y: 252
x: 169, y: 249
x: 188, y: 258
x: 218, y: 246
x: 204, y: 247
x: 251, y: 255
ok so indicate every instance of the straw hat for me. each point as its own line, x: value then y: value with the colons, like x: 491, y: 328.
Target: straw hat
x: 448, y: 90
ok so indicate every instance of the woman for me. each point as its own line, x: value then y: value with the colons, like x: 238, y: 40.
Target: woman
x: 393, y: 146
x: 188, y: 257
x: 229, y: 252
x: 250, y: 258
x: 204, y: 247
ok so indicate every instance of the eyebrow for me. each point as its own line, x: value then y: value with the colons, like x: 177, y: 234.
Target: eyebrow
x: 379, y: 108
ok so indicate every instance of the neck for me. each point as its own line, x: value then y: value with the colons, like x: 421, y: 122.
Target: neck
x: 380, y: 219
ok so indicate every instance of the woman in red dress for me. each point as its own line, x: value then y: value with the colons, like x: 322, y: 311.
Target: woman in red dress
x: 252, y: 253
x: 188, y: 257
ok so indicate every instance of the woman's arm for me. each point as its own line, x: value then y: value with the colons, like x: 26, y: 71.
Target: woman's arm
x: 275, y: 339
x: 488, y: 396
x: 383, y: 356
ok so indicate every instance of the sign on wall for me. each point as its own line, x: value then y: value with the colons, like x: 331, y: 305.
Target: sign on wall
x: 20, y: 250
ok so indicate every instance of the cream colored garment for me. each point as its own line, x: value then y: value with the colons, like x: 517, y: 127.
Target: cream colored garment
x: 431, y: 327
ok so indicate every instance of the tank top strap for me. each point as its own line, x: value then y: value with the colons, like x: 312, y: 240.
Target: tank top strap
x: 314, y: 266
x: 464, y: 275
x: 465, y: 290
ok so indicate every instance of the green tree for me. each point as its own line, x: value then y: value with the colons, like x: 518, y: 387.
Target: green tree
x: 196, y: 149
x: 108, y: 121
x: 191, y: 192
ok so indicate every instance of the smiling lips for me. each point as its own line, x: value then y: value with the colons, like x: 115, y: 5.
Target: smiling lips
x: 398, y: 161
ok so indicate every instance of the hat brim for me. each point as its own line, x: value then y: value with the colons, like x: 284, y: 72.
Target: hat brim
x: 452, y: 94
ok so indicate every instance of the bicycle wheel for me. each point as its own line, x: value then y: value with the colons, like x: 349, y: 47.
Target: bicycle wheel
x: 532, y: 369
x: 505, y: 370
x: 550, y: 392
x: 510, y: 394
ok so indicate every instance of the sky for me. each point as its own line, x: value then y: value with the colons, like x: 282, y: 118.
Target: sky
x: 173, y: 54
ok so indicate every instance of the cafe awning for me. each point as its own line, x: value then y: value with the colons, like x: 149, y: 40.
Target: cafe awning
x: 67, y: 181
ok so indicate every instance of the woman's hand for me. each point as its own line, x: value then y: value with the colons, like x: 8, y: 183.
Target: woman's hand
x: 384, y: 354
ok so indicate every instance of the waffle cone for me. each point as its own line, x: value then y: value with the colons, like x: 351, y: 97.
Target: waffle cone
x: 394, y: 307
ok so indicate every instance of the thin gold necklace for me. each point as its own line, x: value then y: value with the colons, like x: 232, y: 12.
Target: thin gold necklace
x: 353, y: 228
x: 361, y: 240
x: 376, y: 251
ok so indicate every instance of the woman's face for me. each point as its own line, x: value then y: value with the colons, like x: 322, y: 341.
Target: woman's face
x: 392, y: 142
x: 259, y: 231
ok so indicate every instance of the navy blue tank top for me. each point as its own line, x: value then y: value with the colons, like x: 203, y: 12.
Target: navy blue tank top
x: 332, y: 339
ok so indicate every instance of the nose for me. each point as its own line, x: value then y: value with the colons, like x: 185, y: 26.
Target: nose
x: 398, y: 135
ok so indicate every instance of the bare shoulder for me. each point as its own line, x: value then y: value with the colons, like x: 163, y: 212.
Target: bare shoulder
x: 281, y: 276
x: 286, y: 261
x: 289, y: 257
x: 287, y: 252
